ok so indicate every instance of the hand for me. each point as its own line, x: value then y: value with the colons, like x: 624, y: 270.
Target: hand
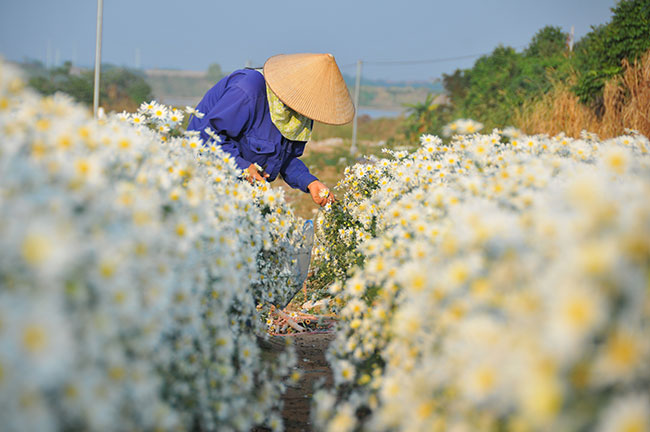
x: 254, y: 173
x: 320, y: 193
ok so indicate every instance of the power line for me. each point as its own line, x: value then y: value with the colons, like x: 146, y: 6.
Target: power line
x: 405, y: 62
x: 411, y: 62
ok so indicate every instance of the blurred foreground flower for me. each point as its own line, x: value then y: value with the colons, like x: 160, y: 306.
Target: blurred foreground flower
x: 492, y: 284
x: 133, y: 260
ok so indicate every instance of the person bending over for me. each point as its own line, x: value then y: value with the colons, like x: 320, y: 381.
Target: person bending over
x: 264, y: 117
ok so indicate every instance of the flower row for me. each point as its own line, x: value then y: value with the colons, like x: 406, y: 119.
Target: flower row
x: 496, y: 283
x: 135, y: 268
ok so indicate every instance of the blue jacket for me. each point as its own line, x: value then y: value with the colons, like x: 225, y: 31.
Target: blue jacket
x: 237, y: 109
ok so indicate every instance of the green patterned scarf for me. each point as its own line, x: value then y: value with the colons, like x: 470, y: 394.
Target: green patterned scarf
x: 292, y: 125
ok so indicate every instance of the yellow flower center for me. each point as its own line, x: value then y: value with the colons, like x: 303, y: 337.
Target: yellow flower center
x: 34, y: 338
x: 36, y: 248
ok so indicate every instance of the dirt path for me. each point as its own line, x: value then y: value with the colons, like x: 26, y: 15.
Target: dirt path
x: 310, y: 351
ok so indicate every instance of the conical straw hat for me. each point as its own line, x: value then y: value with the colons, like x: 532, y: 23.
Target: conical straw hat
x: 312, y: 85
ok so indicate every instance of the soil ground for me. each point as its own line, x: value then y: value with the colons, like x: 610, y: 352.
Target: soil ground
x: 310, y: 351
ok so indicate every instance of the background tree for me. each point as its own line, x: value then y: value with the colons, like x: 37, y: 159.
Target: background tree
x: 548, y: 42
x: 501, y: 82
x: 599, y: 54
x: 214, y: 73
x: 493, y: 83
x: 456, y: 85
x: 120, y: 89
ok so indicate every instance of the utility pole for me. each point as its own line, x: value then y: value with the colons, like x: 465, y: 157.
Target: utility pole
x: 98, y: 55
x: 357, y: 86
x: 569, y: 39
x: 48, y: 57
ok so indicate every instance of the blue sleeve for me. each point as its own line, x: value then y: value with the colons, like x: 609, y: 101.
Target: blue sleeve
x: 295, y: 172
x: 229, y: 117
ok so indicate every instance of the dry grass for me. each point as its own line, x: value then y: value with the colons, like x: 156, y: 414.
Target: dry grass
x: 626, y: 105
x: 369, y: 129
x: 636, y: 112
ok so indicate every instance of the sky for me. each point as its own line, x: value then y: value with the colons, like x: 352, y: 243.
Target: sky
x: 192, y: 34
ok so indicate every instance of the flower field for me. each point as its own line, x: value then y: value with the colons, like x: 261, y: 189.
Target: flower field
x: 496, y: 282
x: 492, y: 282
x: 135, y: 273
